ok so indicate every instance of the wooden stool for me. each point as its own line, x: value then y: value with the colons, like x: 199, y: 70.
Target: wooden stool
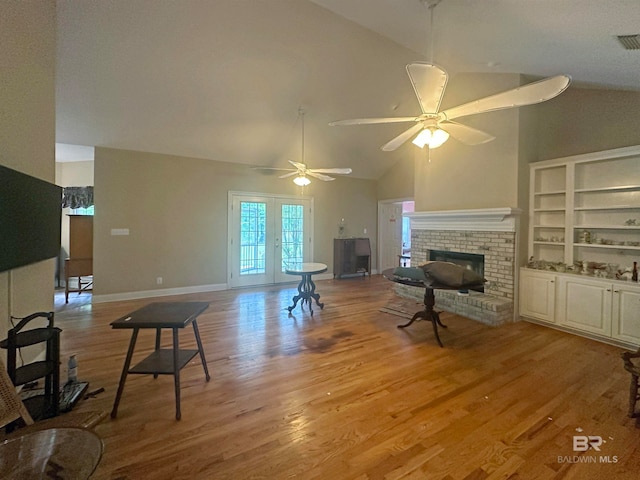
x: 634, y: 387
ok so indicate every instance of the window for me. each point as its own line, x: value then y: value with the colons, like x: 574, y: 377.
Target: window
x: 82, y: 211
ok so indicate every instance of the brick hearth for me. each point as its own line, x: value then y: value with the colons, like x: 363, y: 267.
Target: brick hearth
x: 488, y: 232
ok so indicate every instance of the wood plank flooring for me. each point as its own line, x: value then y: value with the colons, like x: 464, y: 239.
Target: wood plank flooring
x: 346, y: 395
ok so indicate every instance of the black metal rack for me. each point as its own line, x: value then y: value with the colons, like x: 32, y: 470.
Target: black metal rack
x: 44, y: 403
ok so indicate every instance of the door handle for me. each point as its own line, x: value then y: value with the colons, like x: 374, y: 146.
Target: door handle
x: 277, y: 242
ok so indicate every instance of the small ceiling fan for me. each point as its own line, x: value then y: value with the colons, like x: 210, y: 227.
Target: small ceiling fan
x: 433, y: 127
x: 301, y: 171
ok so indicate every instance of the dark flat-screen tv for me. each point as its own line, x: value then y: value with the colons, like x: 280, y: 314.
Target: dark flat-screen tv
x: 30, y: 219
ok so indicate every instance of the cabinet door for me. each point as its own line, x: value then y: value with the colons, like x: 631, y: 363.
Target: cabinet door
x: 584, y: 305
x: 80, y: 236
x: 626, y: 314
x: 537, y: 295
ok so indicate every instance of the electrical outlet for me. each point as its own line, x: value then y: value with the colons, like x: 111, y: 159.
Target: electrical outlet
x: 158, y: 280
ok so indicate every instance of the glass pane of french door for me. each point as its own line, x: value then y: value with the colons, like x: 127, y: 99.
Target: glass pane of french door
x: 266, y: 235
x: 292, y: 234
x: 253, y: 232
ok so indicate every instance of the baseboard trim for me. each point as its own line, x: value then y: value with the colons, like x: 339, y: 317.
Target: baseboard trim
x: 592, y: 336
x: 165, y: 292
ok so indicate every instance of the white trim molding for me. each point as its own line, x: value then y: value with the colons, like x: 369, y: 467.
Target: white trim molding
x: 164, y: 292
x: 479, y: 219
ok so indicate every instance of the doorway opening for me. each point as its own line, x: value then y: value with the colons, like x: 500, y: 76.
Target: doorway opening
x: 394, y: 233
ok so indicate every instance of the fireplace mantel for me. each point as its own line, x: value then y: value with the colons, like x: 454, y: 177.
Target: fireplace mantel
x: 479, y: 219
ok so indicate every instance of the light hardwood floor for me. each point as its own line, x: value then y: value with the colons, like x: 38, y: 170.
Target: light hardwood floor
x: 346, y: 395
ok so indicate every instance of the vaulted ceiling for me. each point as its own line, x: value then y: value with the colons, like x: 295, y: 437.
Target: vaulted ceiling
x: 224, y: 79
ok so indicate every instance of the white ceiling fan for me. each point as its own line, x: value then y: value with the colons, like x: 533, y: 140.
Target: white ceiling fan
x: 433, y: 127
x: 302, y: 172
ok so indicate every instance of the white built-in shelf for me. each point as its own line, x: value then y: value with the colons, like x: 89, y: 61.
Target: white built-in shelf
x: 597, y: 192
x: 621, y: 188
x: 609, y: 207
x: 557, y: 192
x: 599, y: 245
x: 607, y: 227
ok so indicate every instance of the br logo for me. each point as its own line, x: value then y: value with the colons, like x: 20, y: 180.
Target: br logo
x: 582, y: 443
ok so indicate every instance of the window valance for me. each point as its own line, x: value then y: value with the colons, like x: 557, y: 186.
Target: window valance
x: 77, y: 197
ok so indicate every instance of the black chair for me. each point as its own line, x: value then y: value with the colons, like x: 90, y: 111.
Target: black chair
x: 634, y: 388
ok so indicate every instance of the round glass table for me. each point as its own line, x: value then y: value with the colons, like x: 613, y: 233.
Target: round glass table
x: 63, y: 453
x: 306, y: 287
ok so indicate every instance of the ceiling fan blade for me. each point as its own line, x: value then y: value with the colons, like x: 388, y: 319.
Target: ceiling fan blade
x: 535, y: 92
x: 371, y: 121
x: 326, y: 178
x: 466, y: 134
x: 287, y: 175
x: 270, y: 169
x: 429, y: 82
x: 339, y: 171
x: 403, y: 137
x: 299, y: 166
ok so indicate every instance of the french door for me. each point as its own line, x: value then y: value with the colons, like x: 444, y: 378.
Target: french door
x: 266, y: 234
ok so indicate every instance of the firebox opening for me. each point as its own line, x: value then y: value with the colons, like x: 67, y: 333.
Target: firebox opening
x: 472, y: 261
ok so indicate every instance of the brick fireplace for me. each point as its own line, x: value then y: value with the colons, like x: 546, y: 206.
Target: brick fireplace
x: 487, y: 232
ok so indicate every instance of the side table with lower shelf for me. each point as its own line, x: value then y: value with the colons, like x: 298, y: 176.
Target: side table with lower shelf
x: 173, y: 315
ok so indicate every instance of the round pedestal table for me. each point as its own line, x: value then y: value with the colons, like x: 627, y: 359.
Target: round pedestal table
x: 306, y: 287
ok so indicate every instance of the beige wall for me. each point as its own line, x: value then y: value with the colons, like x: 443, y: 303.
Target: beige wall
x: 27, y: 132
x: 459, y: 176
x: 398, y: 181
x: 176, y: 211
x: 583, y: 120
x: 74, y: 174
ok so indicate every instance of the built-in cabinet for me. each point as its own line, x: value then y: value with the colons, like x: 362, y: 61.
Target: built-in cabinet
x: 607, y: 310
x: 584, y: 304
x: 538, y: 295
x: 584, y: 227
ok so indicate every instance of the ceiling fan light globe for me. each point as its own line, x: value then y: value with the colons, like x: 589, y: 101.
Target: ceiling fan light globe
x: 423, y: 138
x: 301, y: 181
x: 438, y: 137
x: 433, y: 137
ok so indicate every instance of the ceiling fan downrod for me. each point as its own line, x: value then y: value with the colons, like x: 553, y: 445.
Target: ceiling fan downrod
x: 431, y: 5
